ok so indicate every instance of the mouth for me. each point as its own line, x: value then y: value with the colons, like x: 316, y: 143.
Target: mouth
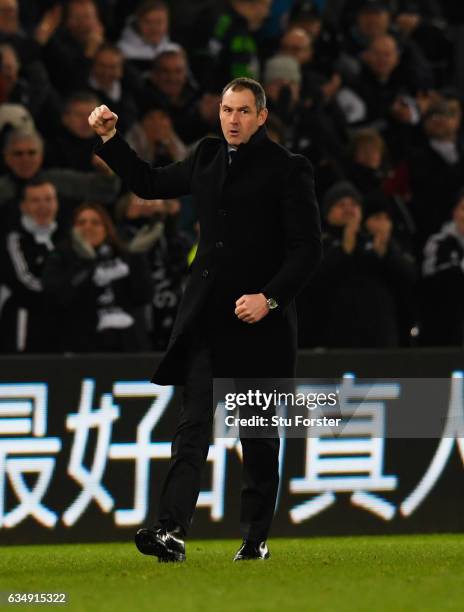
x: 234, y: 133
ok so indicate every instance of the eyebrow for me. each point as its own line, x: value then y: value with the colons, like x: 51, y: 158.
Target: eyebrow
x: 246, y: 107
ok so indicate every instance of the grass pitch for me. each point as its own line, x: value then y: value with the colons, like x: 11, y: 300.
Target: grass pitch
x: 357, y: 574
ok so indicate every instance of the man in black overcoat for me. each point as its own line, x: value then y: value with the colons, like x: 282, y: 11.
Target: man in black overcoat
x: 260, y: 243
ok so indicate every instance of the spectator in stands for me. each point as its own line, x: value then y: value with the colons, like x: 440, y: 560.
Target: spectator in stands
x: 309, y: 129
x: 233, y: 45
x: 373, y: 19
x: 431, y: 39
x: 154, y: 139
x: 437, y: 167
x: 319, y: 89
x: 443, y: 285
x: 384, y: 75
x: 26, y: 47
x: 74, y: 143
x: 27, y: 322
x: 23, y: 156
x: 98, y: 286
x: 367, y: 168
x: 146, y: 34
x: 282, y: 84
x: 171, y: 87
x: 69, y: 52
x: 359, y: 282
x: 152, y: 227
x: 107, y: 81
x: 326, y: 42
x: 371, y: 173
x: 297, y: 43
x: 41, y: 101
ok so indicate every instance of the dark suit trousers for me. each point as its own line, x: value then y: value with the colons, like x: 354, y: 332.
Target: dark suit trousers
x: 260, y: 474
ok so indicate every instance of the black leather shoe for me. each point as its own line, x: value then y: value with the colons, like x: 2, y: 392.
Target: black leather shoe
x: 166, y: 545
x: 252, y: 550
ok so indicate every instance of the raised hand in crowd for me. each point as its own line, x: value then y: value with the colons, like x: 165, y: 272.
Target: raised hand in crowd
x: 380, y: 227
x: 351, y: 229
x: 49, y: 24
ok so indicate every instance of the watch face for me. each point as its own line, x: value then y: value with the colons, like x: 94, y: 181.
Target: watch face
x: 272, y: 303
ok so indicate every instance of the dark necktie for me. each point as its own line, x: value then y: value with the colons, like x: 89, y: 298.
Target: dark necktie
x: 232, y: 154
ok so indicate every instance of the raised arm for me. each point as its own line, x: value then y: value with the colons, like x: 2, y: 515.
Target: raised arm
x: 149, y: 183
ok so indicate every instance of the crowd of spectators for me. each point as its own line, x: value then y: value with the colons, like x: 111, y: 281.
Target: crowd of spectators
x: 368, y: 90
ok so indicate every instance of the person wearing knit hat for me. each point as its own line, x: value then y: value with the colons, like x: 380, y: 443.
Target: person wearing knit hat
x: 339, y: 192
x: 282, y: 68
x: 363, y: 283
x: 377, y: 203
x: 282, y: 84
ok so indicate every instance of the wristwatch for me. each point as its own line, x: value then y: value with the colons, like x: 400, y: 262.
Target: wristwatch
x: 271, y: 303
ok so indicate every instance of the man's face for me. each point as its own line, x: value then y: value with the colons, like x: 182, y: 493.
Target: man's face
x: 261, y: 11
x: 107, y: 68
x: 9, y: 16
x: 254, y: 12
x: 343, y: 211
x: 373, y: 23
x: 82, y: 19
x: 239, y: 116
x: 378, y: 222
x: 24, y: 158
x: 297, y: 44
x: 383, y: 57
x: 75, y: 118
x: 40, y: 203
x: 369, y: 154
x: 170, y: 74
x: 154, y: 26
x: 458, y: 216
x: 440, y: 126
x: 156, y: 124
x: 90, y: 226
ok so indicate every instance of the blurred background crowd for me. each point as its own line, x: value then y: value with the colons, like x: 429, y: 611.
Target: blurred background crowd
x: 370, y: 91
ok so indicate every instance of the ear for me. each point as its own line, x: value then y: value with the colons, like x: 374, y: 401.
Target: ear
x: 262, y: 116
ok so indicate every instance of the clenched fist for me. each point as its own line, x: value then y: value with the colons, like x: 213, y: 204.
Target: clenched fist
x: 103, y: 121
x: 251, y: 308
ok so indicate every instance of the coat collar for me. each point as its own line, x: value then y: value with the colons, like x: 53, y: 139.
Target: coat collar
x: 259, y: 138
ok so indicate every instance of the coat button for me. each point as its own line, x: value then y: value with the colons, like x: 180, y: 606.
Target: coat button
x: 205, y: 273
x: 219, y: 244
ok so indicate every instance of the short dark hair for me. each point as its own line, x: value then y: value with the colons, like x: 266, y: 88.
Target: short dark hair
x: 245, y: 83
x: 171, y: 51
x: 36, y: 181
x: 106, y: 46
x: 68, y: 5
x: 80, y: 96
x: 150, y: 5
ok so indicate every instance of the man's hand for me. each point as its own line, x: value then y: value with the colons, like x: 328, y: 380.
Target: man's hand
x: 380, y: 229
x: 103, y: 121
x: 49, y: 24
x: 251, y: 308
x: 350, y: 233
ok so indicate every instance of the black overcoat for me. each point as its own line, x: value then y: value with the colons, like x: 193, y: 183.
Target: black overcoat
x: 259, y: 233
